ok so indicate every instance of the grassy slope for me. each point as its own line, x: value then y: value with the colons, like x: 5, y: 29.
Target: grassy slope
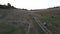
x: 12, y: 21
x: 52, y: 18
x: 15, y: 21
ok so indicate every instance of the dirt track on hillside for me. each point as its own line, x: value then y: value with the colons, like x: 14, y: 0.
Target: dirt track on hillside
x: 31, y: 29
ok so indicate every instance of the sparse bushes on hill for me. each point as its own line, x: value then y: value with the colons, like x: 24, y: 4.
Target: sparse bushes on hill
x: 54, y: 7
x: 3, y: 6
x: 6, y: 6
x: 24, y: 9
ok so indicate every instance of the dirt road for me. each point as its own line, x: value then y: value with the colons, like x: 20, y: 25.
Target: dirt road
x: 44, y: 28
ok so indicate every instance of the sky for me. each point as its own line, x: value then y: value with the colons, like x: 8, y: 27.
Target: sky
x: 32, y: 4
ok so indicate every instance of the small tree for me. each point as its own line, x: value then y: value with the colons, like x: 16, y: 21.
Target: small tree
x: 9, y: 5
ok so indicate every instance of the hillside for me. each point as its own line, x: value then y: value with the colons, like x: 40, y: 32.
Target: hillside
x: 52, y: 17
x: 20, y: 21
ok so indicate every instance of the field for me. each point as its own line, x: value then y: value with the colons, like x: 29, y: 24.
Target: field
x: 16, y: 21
x: 52, y: 18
